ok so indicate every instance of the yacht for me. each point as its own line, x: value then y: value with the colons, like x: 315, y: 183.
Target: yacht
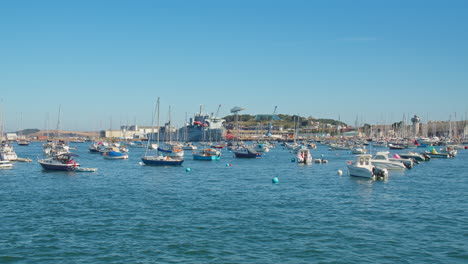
x: 381, y: 160
x: 363, y: 167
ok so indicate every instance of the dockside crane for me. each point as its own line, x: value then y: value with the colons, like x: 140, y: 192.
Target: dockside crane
x: 268, y: 133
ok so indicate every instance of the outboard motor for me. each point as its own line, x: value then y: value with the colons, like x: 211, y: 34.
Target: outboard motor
x: 426, y: 157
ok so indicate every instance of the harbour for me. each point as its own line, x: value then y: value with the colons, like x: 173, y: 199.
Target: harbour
x: 229, y: 210
x: 224, y: 132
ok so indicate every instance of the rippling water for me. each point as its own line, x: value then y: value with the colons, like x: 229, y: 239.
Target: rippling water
x: 127, y: 213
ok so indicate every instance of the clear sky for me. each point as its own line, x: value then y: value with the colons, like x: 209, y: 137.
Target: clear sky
x: 374, y: 60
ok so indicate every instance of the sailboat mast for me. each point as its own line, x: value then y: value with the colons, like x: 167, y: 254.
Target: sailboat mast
x: 159, y: 129
x: 58, y: 123
x: 152, y: 131
x: 169, y: 127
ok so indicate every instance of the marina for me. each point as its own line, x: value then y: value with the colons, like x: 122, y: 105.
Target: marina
x: 169, y: 213
x: 234, y: 132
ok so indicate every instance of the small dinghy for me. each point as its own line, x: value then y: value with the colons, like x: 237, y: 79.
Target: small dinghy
x: 24, y: 159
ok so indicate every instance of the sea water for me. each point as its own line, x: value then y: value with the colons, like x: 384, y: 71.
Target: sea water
x: 229, y: 211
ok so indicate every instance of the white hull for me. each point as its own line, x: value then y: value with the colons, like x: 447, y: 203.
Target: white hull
x: 364, y: 172
x: 11, y: 156
x: 304, y: 156
x: 389, y: 165
x: 5, y: 164
x: 116, y: 157
x: 364, y: 168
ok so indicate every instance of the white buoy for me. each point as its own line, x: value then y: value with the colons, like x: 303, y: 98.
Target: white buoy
x: 340, y: 172
x: 140, y: 163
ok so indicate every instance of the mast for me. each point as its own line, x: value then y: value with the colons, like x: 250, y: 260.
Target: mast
x: 47, y: 125
x: 152, y: 129
x: 186, y: 129
x: 159, y: 129
x: 58, y: 123
x: 1, y: 120
x: 169, y: 127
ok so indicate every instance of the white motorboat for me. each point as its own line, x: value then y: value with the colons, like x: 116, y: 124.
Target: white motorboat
x: 7, y: 152
x: 261, y: 147
x: 364, y: 168
x: 409, y: 163
x: 359, y: 150
x: 303, y: 155
x: 4, y: 164
x: 381, y: 160
x: 54, y: 149
x: 188, y: 146
x: 413, y: 155
x: 292, y: 146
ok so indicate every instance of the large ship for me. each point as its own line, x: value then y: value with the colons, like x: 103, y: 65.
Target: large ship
x: 202, y: 127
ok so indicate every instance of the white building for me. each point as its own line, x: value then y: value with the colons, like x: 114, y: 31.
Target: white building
x: 11, y: 136
x: 127, y: 132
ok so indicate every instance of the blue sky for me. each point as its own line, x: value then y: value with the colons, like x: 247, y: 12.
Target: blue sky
x: 374, y: 60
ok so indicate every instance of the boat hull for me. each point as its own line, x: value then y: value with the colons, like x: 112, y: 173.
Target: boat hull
x: 202, y: 157
x: 389, y: 165
x: 112, y: 155
x: 360, y: 172
x: 4, y: 164
x: 416, y: 157
x: 304, y: 156
x: 248, y: 155
x: 161, y: 162
x: 57, y: 167
x: 438, y: 155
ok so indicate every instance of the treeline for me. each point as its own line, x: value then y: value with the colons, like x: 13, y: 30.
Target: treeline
x: 28, y: 131
x: 285, y: 120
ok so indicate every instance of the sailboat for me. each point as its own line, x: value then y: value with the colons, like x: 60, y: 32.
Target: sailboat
x: 22, y: 140
x: 159, y: 159
x: 294, y: 145
x: 7, y: 153
x: 170, y: 149
x: 58, y: 147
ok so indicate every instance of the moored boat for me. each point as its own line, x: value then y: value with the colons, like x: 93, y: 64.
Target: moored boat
x: 381, y: 160
x: 433, y: 153
x: 159, y: 159
x: 172, y: 150
x: 303, y: 155
x: 113, y: 153
x: 396, y: 146
x: 364, y: 168
x: 62, y: 162
x: 7, y: 152
x: 261, y: 147
x: 5, y: 164
x: 246, y: 152
x: 188, y: 146
x: 413, y: 155
x: 359, y: 150
x: 23, y: 142
x: 207, y: 154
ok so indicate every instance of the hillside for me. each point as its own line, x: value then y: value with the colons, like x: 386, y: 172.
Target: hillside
x: 64, y: 133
